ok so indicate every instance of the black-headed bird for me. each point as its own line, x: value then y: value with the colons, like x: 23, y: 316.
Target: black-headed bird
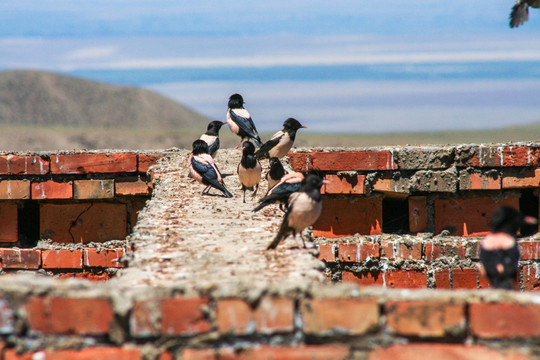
x: 211, y: 136
x: 249, y: 169
x: 203, y: 169
x: 520, y: 12
x: 281, y: 142
x: 499, y: 251
x: 276, y: 172
x: 240, y: 121
x: 280, y: 192
x: 304, y: 209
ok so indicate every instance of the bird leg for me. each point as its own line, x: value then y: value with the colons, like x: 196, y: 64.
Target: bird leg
x: 237, y: 146
x: 205, y: 190
x: 298, y: 242
x: 244, y: 189
x: 255, y: 192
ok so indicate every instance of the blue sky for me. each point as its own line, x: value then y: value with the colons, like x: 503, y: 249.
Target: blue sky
x: 438, y: 46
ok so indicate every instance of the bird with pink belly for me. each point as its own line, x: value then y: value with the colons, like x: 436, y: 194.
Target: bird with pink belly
x: 240, y: 121
x: 203, y: 169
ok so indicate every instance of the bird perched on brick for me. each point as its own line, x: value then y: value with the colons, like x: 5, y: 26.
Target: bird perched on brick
x: 499, y: 252
x: 203, y: 169
x: 281, y: 142
x: 240, y: 121
x: 280, y: 192
x: 211, y: 136
x: 304, y: 209
x: 249, y: 170
x: 520, y: 12
x: 276, y: 172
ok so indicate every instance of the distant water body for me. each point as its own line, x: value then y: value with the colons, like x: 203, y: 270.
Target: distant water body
x: 355, y: 98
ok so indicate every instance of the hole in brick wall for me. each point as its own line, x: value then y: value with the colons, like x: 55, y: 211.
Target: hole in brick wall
x: 395, y: 215
x: 528, y: 205
x: 28, y: 223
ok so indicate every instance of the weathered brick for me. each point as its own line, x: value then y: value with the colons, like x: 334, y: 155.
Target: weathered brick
x: 424, y: 318
x: 442, y: 279
x: 52, y: 190
x: 525, y: 178
x: 521, y: 156
x: 478, y: 156
x: 201, y: 354
x: 93, y: 189
x: 105, y: 258
x: 530, y: 277
x: 345, y: 184
x: 9, y: 228
x: 274, y: 314
x: 327, y: 252
x: 62, y: 259
x: 348, y: 316
x: 443, y: 352
x: 234, y: 315
x: 417, y: 214
x: 435, y: 181
x: 23, y: 165
x: 306, y: 352
x: 132, y: 188
x: 7, y: 319
x: 358, y: 251
x: 299, y: 161
x: 83, y: 222
x: 69, y: 316
x: 529, y: 249
x: 504, y: 320
x: 393, y: 249
x: 474, y: 180
x: 14, y: 189
x: 391, y: 184
x: 137, y: 204
x: 424, y: 158
x: 468, y: 216
x: 88, y: 163
x: 16, y: 258
x: 437, y: 250
x: 345, y: 217
x: 353, y: 160
x: 92, y: 353
x: 147, y: 160
x: 408, y: 279
x: 144, y: 320
x: 184, y: 316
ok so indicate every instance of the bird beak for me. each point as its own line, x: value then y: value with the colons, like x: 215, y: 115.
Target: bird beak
x: 530, y: 220
x: 326, y: 182
x: 225, y: 123
x: 304, y: 127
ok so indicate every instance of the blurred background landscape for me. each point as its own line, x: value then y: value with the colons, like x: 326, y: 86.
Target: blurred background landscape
x: 142, y: 75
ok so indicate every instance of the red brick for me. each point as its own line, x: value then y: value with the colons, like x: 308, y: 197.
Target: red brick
x: 184, y: 316
x: 530, y: 249
x: 408, y: 279
x: 9, y: 223
x: 467, y: 216
x: 89, y: 163
x: 95, y: 353
x: 483, y: 281
x: 91, y: 276
x: 52, y: 190
x: 442, y: 279
x: 147, y: 160
x: 83, y: 222
x: 326, y: 252
x: 70, y: 316
x: 62, y: 259
x: 521, y: 156
x: 309, y: 352
x: 425, y: 318
x: 166, y: 355
x: 453, y: 249
x: 393, y: 249
x: 106, y: 258
x: 479, y: 180
x: 234, y: 315
x: 486, y: 156
x: 523, y: 179
x: 357, y: 252
x: 345, y: 184
x: 132, y: 188
x: 274, y: 314
x: 93, y: 189
x: 349, y: 316
x: 501, y: 320
x: 346, y: 217
x: 137, y: 204
x: 7, y: 319
x: 443, y: 352
x: 464, y: 278
x: 417, y: 213
x: 530, y: 277
x: 299, y: 161
x: 14, y: 189
x: 20, y: 258
x: 23, y: 165
x: 196, y: 354
x: 353, y: 160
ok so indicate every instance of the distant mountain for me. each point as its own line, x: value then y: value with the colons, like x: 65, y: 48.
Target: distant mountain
x: 45, y: 99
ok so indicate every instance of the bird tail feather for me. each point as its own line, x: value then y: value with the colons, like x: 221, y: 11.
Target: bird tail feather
x: 216, y: 184
x: 282, y: 234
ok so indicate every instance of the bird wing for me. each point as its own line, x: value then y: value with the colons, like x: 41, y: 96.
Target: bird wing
x: 519, y: 14
x: 274, y: 140
x: 214, y: 147
x: 204, y: 165
x: 242, y: 118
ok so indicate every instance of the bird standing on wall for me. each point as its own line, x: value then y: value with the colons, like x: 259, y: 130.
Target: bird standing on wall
x: 304, y: 209
x: 249, y: 169
x: 281, y: 142
x: 276, y: 172
x: 280, y: 192
x: 203, y: 169
x: 520, y: 12
x: 211, y: 136
x: 499, y: 251
x: 240, y: 121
